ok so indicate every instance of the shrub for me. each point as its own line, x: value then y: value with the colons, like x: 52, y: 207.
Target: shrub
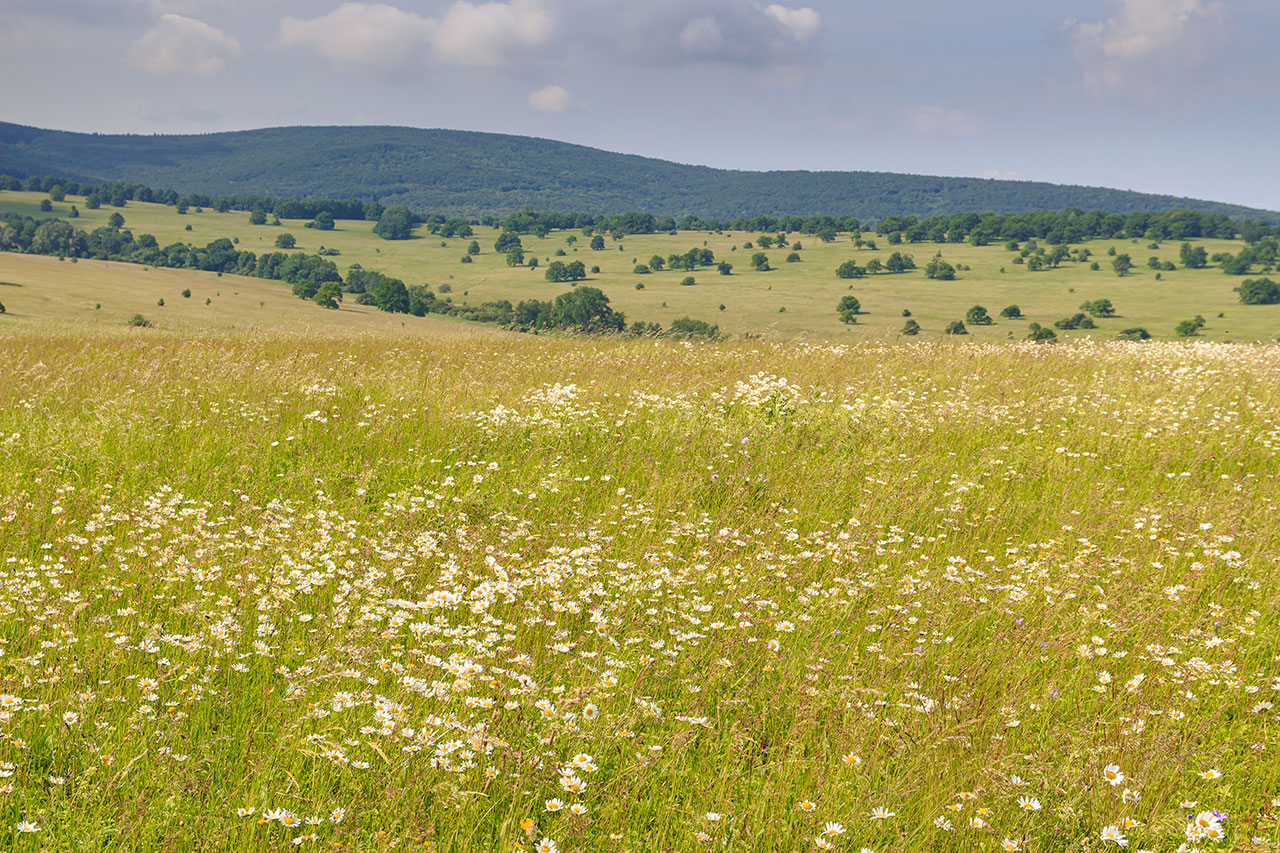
x: 911, y: 327
x: 186, y: 294
x: 955, y: 327
x: 285, y: 241
x: 160, y: 302
x: 1041, y: 335
x: 1134, y: 334
x: 793, y: 258
x: 688, y: 281
x: 641, y: 269
x: 465, y: 259
x: 138, y: 320
x: 639, y: 285
x: 1187, y: 329
x: 1011, y: 312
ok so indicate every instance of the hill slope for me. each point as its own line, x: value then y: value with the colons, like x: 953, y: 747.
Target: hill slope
x: 467, y: 172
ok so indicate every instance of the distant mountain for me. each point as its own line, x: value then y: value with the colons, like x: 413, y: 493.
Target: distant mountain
x: 454, y: 171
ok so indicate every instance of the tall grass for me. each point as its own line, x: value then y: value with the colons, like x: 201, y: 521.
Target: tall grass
x: 739, y: 593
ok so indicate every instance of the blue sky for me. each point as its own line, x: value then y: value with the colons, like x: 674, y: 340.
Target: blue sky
x: 1171, y: 96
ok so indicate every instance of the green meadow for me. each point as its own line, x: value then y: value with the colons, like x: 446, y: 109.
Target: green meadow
x: 793, y: 300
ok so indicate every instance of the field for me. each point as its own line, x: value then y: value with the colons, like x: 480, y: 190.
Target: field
x: 268, y: 587
x: 793, y: 300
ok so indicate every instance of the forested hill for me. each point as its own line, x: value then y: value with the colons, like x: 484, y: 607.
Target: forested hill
x: 452, y: 171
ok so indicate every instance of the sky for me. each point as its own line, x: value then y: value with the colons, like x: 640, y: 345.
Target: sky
x: 1165, y: 96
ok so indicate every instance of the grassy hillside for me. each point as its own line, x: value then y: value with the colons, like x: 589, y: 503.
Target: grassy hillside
x: 375, y: 593
x: 457, y: 171
x: 753, y: 301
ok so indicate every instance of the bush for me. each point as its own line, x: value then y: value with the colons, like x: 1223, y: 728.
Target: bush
x: 688, y: 281
x: 641, y: 269
x: 911, y: 327
x: 285, y: 241
x: 1259, y: 291
x: 1188, y: 329
x: 466, y: 259
x: 955, y: 327
x: 1041, y: 335
x: 160, y: 302
x: 1011, y: 312
x: 138, y: 320
x: 1134, y: 334
x: 1076, y: 321
x: 45, y: 205
x: 639, y: 285
x: 793, y: 258
x: 186, y: 294
x: 2, y: 308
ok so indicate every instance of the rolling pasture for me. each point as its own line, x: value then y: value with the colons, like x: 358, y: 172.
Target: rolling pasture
x: 792, y: 300
x: 370, y: 591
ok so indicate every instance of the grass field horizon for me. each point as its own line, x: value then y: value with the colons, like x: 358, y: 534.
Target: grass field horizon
x: 792, y: 300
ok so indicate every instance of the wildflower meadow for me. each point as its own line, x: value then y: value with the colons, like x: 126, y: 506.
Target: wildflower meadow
x: 347, y: 592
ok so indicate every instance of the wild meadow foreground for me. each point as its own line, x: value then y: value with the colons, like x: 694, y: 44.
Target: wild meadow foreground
x: 379, y: 593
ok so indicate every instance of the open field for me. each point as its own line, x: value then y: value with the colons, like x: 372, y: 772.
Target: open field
x: 375, y: 592
x: 754, y: 301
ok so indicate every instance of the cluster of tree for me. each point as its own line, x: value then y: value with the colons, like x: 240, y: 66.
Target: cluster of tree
x: 56, y: 237
x: 1071, y: 225
x: 898, y: 262
x: 1259, y: 291
x: 1264, y: 253
x: 1056, y: 227
x: 1099, y: 308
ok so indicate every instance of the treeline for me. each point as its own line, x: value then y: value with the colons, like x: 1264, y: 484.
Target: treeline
x: 1069, y: 225
x: 584, y: 310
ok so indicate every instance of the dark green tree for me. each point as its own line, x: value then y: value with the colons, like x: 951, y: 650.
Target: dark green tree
x: 978, y: 316
x: 850, y: 269
x: 1259, y: 291
x: 849, y: 309
x: 285, y: 241
x: 1122, y: 265
x: 395, y: 223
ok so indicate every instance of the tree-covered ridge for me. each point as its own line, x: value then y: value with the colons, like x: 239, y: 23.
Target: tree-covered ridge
x: 469, y: 173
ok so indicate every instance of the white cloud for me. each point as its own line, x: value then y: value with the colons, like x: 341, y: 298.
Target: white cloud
x: 552, y: 99
x: 377, y: 34
x: 485, y: 35
x: 178, y: 45
x: 739, y: 32
x: 804, y: 24
x: 1148, y: 47
x: 942, y: 121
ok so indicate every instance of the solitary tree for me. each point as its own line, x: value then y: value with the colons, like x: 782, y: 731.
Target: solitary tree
x: 285, y: 241
x: 978, y: 316
x: 1011, y: 312
x: 1122, y: 264
x: 849, y: 309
